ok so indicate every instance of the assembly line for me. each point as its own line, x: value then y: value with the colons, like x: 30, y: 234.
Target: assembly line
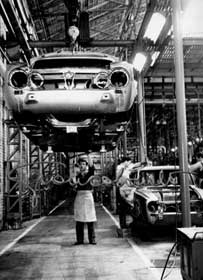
x: 101, y: 147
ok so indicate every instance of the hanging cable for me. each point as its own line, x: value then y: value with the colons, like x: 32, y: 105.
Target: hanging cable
x: 165, y: 266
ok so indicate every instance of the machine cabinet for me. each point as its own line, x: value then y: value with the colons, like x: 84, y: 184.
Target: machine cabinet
x: 191, y: 248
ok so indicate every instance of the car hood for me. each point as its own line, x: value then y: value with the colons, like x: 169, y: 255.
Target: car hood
x: 198, y: 190
x: 147, y: 193
x: 166, y: 192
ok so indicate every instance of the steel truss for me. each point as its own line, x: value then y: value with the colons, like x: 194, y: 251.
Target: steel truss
x: 31, y: 178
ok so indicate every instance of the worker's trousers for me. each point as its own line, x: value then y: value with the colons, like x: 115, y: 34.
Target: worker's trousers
x: 80, y: 231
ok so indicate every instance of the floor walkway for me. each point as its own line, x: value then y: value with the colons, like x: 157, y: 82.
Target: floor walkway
x: 46, y: 251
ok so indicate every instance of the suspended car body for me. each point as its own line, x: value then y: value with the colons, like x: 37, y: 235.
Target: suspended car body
x: 79, y: 93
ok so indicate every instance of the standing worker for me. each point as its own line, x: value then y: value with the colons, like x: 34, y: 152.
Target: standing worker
x: 125, y: 203
x: 122, y: 177
x: 84, y: 207
x: 197, y: 170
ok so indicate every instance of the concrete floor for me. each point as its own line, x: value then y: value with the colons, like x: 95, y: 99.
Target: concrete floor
x: 47, y: 252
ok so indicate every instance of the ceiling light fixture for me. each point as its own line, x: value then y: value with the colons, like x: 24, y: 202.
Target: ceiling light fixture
x: 139, y: 61
x: 155, y: 26
x: 154, y: 57
x: 103, y: 149
x: 49, y: 150
x: 73, y: 32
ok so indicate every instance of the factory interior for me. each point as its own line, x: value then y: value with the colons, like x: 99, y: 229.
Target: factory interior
x: 117, y: 85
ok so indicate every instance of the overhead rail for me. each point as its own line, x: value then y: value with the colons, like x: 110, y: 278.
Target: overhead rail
x: 15, y: 26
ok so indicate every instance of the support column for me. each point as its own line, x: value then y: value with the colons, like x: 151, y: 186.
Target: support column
x: 1, y: 151
x: 2, y: 125
x: 13, y: 181
x: 114, y: 203
x: 181, y: 112
x: 125, y: 143
x: 142, y: 126
x: 35, y: 180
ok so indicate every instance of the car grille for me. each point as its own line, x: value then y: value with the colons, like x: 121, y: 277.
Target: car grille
x: 171, y: 196
x: 60, y: 81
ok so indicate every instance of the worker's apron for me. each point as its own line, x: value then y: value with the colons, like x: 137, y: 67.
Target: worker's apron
x: 84, y: 208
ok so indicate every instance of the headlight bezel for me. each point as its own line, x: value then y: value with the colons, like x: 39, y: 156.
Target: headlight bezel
x: 117, y: 80
x: 102, y: 85
x: 25, y: 76
x: 33, y: 84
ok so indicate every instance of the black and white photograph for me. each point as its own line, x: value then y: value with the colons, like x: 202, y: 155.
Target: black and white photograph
x: 101, y: 139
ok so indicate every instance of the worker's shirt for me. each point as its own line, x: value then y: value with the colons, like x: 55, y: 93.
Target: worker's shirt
x: 84, y: 208
x: 82, y: 180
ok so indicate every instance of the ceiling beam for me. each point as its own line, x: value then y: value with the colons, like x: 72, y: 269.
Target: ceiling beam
x: 91, y: 43
x: 7, y: 20
x: 100, y: 43
x: 17, y: 31
x: 172, y: 101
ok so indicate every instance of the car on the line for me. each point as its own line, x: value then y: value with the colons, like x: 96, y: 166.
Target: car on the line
x: 154, y: 196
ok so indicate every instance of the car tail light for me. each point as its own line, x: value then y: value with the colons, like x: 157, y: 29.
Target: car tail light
x: 119, y: 77
x: 36, y: 80
x: 18, y: 79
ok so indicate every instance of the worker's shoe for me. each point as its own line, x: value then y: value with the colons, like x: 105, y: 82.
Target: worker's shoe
x: 78, y: 243
x: 93, y: 242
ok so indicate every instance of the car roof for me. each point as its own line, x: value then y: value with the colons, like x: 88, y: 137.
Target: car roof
x: 76, y: 55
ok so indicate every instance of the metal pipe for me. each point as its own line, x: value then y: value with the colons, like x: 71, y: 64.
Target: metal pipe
x: 142, y: 130
x: 181, y: 113
x: 125, y: 143
x: 199, y: 114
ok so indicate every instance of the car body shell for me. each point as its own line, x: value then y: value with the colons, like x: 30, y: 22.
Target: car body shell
x: 155, y: 197
x: 65, y: 89
x: 84, y: 93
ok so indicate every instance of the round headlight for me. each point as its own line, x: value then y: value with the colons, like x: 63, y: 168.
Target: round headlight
x: 152, y: 206
x: 119, y: 78
x: 36, y: 79
x: 102, y: 80
x: 18, y: 79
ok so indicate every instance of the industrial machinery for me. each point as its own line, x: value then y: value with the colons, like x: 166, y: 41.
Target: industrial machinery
x: 191, y: 246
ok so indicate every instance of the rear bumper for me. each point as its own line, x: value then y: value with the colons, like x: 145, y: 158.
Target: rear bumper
x: 74, y: 102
